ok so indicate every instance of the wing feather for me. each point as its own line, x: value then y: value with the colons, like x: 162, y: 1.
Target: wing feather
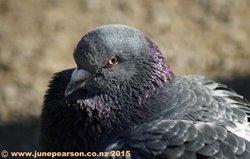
x: 183, y: 139
x: 201, y: 120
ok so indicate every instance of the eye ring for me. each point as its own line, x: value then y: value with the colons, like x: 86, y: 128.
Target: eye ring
x: 113, y: 61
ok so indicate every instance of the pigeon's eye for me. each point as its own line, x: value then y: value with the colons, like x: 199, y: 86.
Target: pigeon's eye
x: 113, y: 61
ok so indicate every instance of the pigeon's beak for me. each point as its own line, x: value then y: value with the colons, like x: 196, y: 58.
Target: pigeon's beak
x: 78, y: 80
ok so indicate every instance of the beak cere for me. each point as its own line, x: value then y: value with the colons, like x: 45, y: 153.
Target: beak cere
x: 78, y: 80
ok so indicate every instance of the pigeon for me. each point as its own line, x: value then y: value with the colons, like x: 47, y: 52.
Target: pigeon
x: 123, y: 96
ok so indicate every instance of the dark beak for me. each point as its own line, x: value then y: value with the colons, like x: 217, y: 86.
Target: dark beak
x: 77, y: 81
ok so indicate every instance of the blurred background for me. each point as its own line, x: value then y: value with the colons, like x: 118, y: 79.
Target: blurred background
x: 37, y: 38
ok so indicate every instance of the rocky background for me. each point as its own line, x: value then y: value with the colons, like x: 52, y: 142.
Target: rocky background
x: 37, y: 38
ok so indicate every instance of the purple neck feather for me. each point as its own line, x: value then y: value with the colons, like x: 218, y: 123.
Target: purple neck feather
x: 161, y: 72
x: 162, y: 69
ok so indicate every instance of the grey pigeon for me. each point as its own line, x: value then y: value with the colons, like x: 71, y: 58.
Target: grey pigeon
x: 123, y: 96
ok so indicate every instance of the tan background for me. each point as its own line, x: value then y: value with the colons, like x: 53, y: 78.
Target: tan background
x: 37, y: 38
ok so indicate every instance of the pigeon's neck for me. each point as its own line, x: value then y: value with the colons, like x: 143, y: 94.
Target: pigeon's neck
x: 101, y: 118
x: 160, y: 68
x: 160, y: 72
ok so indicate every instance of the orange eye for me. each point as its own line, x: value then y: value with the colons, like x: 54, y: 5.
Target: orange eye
x: 113, y: 61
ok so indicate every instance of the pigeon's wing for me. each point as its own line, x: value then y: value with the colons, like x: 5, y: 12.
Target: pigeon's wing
x: 218, y: 90
x: 182, y: 139
x: 209, y: 120
x: 235, y: 107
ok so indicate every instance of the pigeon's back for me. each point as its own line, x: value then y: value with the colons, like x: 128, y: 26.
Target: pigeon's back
x: 196, y: 118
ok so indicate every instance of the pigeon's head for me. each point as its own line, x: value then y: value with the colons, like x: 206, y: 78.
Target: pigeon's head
x: 115, y: 57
